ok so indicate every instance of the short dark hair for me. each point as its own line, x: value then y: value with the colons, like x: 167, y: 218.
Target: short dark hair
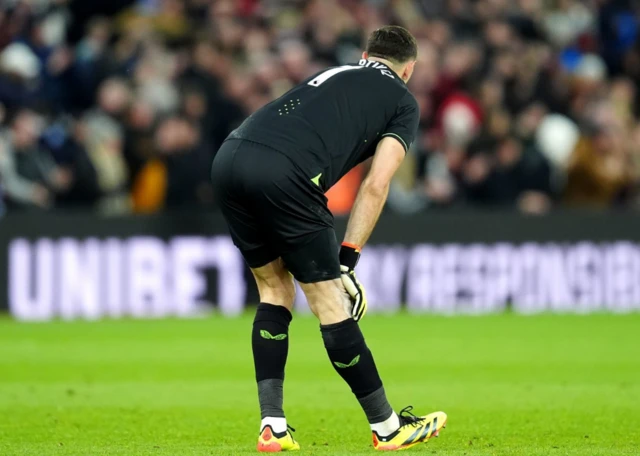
x: 394, y: 43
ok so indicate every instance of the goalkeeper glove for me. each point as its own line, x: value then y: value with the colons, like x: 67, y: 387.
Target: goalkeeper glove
x: 349, y: 256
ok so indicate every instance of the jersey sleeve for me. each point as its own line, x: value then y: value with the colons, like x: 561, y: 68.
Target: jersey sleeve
x: 404, y: 124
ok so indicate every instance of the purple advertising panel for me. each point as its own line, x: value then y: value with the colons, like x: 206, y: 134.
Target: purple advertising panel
x: 133, y: 268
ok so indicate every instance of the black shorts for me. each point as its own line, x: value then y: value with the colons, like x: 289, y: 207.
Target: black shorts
x: 274, y: 211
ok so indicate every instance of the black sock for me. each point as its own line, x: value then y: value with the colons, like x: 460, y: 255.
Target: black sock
x: 352, y: 359
x: 270, y: 343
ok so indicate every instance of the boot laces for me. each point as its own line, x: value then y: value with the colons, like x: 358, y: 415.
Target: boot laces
x: 406, y: 417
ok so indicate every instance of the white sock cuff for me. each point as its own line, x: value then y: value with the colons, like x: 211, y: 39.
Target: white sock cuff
x: 388, y: 426
x: 277, y: 424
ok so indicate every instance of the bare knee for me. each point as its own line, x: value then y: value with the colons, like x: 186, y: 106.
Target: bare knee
x: 328, y: 301
x: 275, y: 284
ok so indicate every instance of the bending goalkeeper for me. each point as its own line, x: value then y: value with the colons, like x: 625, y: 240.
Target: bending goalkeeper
x: 271, y: 174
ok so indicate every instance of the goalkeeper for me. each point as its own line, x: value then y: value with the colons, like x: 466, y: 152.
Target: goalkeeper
x: 270, y: 176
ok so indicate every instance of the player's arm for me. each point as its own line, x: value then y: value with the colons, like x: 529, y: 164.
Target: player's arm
x: 398, y: 136
x: 373, y: 191
x: 364, y: 215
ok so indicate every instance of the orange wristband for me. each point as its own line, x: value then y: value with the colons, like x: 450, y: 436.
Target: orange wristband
x: 357, y: 248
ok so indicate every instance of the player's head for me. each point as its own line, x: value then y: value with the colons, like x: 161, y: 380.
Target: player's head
x: 395, y: 44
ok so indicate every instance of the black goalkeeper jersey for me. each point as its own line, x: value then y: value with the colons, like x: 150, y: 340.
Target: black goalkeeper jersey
x: 334, y: 120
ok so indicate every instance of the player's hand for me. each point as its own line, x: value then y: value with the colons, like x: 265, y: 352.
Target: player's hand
x: 349, y: 256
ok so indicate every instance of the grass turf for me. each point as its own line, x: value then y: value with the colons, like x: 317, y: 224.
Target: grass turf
x: 543, y: 385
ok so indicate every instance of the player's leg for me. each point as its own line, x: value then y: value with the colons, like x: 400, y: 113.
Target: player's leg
x: 270, y: 332
x: 270, y: 339
x: 270, y: 347
x: 348, y: 352
x: 315, y: 265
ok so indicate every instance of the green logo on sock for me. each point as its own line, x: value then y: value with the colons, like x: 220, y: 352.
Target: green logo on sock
x: 267, y: 335
x: 353, y: 362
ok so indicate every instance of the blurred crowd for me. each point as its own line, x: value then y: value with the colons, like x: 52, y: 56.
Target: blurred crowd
x: 120, y: 105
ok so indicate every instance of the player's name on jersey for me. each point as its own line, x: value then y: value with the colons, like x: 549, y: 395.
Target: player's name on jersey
x: 373, y: 64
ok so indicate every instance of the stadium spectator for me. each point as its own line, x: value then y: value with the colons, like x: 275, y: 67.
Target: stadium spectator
x: 518, y: 98
x: 29, y: 176
x: 599, y: 171
x: 178, y: 176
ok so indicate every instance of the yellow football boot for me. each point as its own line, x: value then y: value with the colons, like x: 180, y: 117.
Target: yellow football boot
x: 272, y: 442
x: 412, y: 431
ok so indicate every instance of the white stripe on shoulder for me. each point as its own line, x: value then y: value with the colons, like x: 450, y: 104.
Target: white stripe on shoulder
x: 406, y: 148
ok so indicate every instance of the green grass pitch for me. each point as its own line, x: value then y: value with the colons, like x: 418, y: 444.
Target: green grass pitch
x: 512, y: 385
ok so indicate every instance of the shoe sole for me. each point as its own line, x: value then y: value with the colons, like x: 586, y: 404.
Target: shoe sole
x: 271, y: 447
x: 406, y: 447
